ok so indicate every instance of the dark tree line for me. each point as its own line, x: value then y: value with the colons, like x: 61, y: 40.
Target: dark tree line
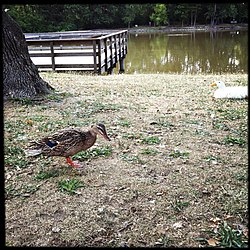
x: 63, y: 17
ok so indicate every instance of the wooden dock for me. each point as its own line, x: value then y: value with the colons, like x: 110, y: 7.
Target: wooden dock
x: 96, y: 51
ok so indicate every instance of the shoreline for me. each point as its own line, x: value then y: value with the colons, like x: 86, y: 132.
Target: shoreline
x: 173, y: 29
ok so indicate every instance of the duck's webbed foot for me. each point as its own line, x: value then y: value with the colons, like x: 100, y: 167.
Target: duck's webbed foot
x: 73, y: 163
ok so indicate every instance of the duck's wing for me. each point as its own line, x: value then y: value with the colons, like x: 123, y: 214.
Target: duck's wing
x: 235, y: 92
x: 62, y: 142
x: 66, y: 136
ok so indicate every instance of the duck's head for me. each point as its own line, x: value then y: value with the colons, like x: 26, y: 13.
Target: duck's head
x: 219, y: 84
x: 100, y: 130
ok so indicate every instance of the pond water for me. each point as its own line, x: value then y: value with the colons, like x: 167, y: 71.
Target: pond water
x: 193, y: 53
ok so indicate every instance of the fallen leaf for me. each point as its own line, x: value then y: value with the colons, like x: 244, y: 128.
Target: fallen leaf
x: 177, y: 225
x: 215, y: 220
x: 245, y: 232
x: 56, y: 229
x: 212, y: 242
x: 228, y: 217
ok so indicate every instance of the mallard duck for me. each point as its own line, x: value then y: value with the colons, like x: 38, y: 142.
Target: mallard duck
x: 67, y: 142
x: 238, y: 92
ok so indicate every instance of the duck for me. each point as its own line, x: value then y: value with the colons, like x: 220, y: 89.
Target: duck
x: 67, y: 142
x: 235, y: 92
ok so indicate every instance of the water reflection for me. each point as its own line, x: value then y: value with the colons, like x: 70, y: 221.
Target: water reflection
x: 197, y: 52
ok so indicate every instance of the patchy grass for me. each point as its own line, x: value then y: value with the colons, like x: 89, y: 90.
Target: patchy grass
x: 175, y: 170
x: 70, y: 186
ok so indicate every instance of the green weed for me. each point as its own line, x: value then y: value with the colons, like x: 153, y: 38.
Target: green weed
x: 93, y: 153
x: 123, y: 122
x: 70, y: 186
x: 148, y: 151
x: 14, y: 156
x: 24, y: 191
x: 178, y: 154
x: 179, y: 205
x: 132, y: 136
x: 234, y: 140
x: 211, y: 158
x: 23, y: 101
x: 232, y: 114
x: 230, y: 237
x: 131, y: 158
x: 220, y: 125
x: 46, y: 175
x: 151, y: 140
x: 241, y: 177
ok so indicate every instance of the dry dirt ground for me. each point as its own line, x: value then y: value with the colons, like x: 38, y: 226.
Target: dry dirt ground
x: 174, y: 174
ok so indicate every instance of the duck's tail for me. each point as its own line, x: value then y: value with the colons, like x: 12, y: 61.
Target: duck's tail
x: 33, y: 152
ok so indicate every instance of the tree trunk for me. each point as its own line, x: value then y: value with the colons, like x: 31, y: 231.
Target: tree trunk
x: 20, y: 76
x: 213, y: 17
x: 195, y: 17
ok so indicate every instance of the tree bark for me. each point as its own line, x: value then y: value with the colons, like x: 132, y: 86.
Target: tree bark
x: 20, y: 76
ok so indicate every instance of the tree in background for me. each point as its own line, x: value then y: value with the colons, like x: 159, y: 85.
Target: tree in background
x: 159, y: 16
x: 63, y: 17
x: 182, y: 13
x: 129, y: 13
x: 20, y: 75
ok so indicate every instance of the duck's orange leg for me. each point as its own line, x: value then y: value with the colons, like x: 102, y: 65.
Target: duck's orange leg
x: 72, y: 163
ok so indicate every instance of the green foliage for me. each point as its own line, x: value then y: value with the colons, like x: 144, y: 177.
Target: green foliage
x: 63, y: 17
x: 159, y: 17
x: 134, y: 159
x: 25, y: 190
x: 178, y: 154
x: 179, y: 205
x: 148, y: 151
x: 151, y: 140
x: 70, y: 186
x: 14, y: 156
x: 234, y: 140
x: 42, y: 175
x: 93, y: 153
x: 230, y: 237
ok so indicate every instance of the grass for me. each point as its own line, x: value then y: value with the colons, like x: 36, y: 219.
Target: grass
x: 134, y: 159
x: 93, y: 153
x: 70, y: 186
x: 148, y: 151
x: 43, y: 175
x: 226, y: 236
x: 151, y: 140
x: 179, y: 154
x: 179, y: 205
x: 234, y: 140
x: 174, y: 171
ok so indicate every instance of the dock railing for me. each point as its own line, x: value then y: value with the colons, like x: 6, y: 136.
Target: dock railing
x: 87, y: 51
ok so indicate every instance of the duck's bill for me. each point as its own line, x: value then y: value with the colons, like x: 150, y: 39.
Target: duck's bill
x: 213, y: 84
x: 106, y: 137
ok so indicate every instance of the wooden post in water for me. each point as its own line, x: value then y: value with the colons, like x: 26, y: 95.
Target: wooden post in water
x: 121, y: 59
x: 122, y: 68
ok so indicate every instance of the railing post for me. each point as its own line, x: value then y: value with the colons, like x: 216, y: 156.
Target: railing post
x: 111, y: 55
x: 100, y: 56
x: 52, y: 56
x: 119, y: 44
x: 106, y: 54
x: 116, y: 56
x: 94, y: 55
